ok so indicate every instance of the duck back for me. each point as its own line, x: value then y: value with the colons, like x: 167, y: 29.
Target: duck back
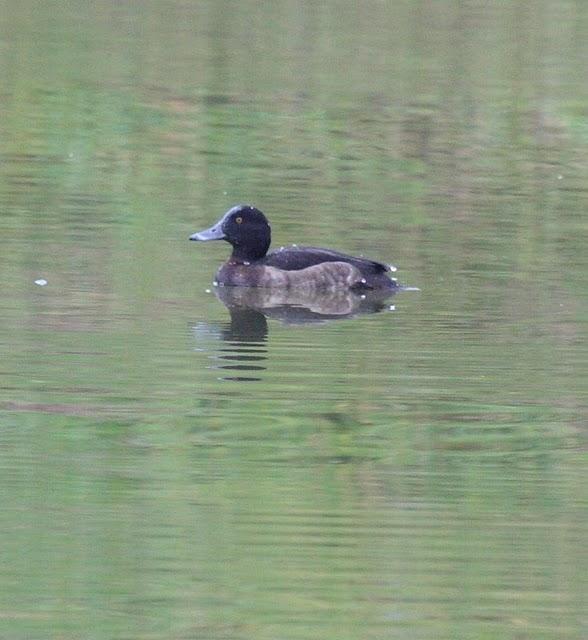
x: 295, y: 258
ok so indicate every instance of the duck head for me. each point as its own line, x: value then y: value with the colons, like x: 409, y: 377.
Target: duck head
x: 245, y: 228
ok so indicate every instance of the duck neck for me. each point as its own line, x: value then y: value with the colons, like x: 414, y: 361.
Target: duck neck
x: 242, y: 254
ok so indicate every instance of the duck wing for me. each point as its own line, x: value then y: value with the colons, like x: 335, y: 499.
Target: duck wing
x: 295, y: 258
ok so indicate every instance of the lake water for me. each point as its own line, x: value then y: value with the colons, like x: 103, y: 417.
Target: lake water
x: 173, y: 466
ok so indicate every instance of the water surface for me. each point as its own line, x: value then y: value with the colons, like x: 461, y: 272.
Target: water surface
x: 173, y: 468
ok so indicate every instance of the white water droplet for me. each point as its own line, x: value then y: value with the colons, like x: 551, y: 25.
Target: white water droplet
x: 392, y: 307
x: 363, y: 281
x: 215, y: 283
x: 560, y: 177
x: 207, y: 290
x: 41, y: 282
x: 392, y: 268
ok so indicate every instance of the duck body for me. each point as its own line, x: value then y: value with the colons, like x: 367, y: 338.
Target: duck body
x: 295, y: 267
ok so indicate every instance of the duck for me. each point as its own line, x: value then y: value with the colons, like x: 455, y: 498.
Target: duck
x: 295, y: 267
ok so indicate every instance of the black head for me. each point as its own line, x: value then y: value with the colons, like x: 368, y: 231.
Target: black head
x: 245, y: 228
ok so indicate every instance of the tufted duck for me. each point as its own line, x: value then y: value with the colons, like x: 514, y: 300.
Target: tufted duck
x: 247, y: 230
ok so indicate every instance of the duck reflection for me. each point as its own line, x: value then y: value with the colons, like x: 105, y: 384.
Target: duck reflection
x: 243, y: 341
x: 245, y: 336
x: 299, y: 306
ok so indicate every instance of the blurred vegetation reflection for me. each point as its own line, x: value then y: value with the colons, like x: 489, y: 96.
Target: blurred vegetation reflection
x: 171, y: 467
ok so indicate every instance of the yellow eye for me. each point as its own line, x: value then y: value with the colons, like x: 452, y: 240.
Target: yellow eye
x: 239, y: 220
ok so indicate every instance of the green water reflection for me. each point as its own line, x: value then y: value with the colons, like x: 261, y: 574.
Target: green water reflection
x: 167, y: 471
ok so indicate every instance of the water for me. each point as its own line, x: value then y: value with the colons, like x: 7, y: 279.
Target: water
x: 176, y: 466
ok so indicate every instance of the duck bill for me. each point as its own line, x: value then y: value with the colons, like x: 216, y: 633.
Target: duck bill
x: 214, y: 233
